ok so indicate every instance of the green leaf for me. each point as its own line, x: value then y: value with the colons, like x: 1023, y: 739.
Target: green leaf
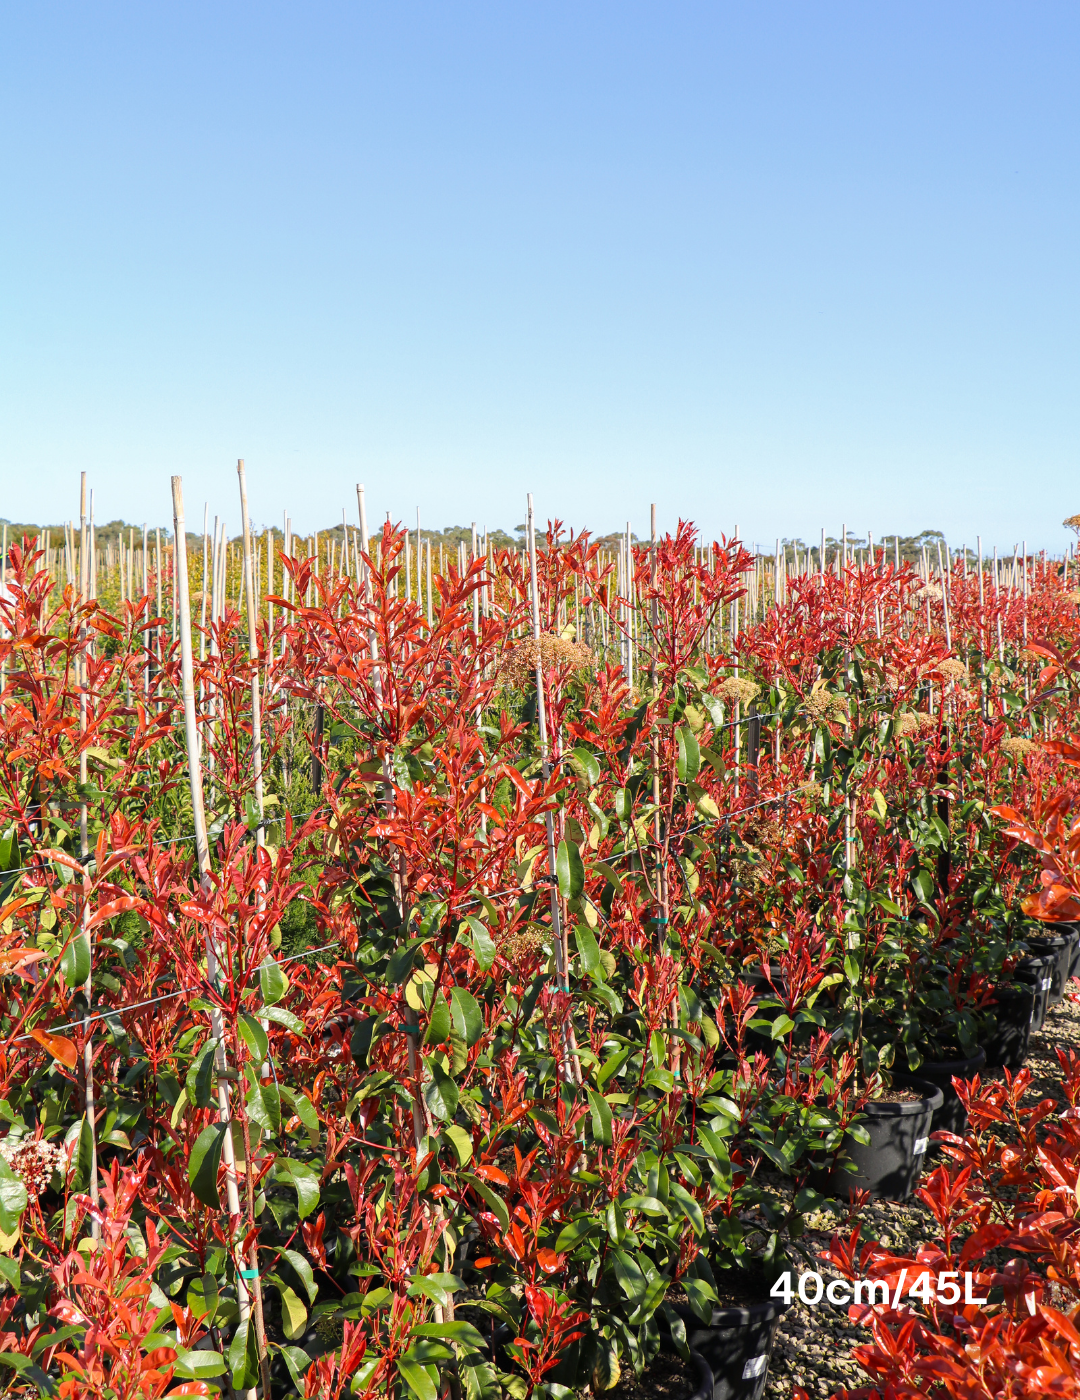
x: 573, y: 1234
x: 610, y: 874
x: 84, y: 1155
x: 200, y: 1077
x: 689, y: 760
x: 264, y: 1107
x: 75, y: 960
x: 297, y: 1360
x: 648, y: 1205
x: 306, y: 1111
x: 253, y: 1036
x: 244, y: 1356
x: 569, y: 870
x: 417, y: 1379
x: 463, y: 1332
x: 612, y: 1066
x: 293, y: 1312
x: 288, y: 1019
x: 702, y: 1296
x: 439, y: 1022
x: 203, y: 1164
x: 303, y: 1271
x: 588, y: 948
x: 585, y: 763
x: 401, y: 963
x: 494, y: 1203
x: 25, y: 1367
x: 631, y: 1279
x: 304, y: 1179
x: 690, y: 1208
x: 439, y: 1287
x: 9, y: 1270
x: 199, y: 1365
x: 601, y: 1118
x: 923, y: 885
x: 273, y: 984
x: 483, y: 945
x: 468, y: 1017
x: 202, y: 1296
x: 481, y: 1382
x: 461, y: 1141
x: 441, y: 1093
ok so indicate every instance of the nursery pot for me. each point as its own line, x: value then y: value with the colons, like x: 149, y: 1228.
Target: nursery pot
x: 735, y: 1348
x: 890, y: 1164
x: 1060, y: 947
x: 1074, y: 966
x: 1037, y: 971
x: 759, y: 983
x: 1007, y: 1045
x: 950, y: 1117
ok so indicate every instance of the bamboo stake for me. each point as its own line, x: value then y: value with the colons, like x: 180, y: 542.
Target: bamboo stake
x: 84, y: 853
x: 202, y: 848
x: 541, y: 715
x: 256, y: 756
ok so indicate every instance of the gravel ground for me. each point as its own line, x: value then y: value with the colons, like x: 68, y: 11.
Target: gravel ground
x: 813, y: 1345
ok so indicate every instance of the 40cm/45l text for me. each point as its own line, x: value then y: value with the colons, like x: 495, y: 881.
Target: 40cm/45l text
x: 925, y: 1287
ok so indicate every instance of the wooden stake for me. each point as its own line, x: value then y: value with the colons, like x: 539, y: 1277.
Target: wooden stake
x: 202, y: 849
x: 541, y: 715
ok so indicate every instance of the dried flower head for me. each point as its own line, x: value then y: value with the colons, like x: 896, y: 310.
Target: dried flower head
x: 524, y: 944
x: 738, y: 688
x: 931, y: 591
x: 1017, y: 747
x: 925, y: 721
x: 952, y: 669
x: 1074, y: 597
x: 1029, y: 658
x: 1072, y: 522
x: 32, y: 1160
x: 823, y: 704
x: 907, y: 724
x: 519, y: 667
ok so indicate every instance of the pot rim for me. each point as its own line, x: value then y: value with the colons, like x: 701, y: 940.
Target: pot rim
x: 979, y: 1059
x: 932, y: 1100
x: 736, y: 1315
x: 1010, y: 990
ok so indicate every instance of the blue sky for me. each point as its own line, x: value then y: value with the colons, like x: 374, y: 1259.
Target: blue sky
x: 777, y: 265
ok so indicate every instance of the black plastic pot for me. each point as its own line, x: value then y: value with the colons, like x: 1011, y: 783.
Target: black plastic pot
x: 1074, y: 966
x: 1059, y: 946
x: 758, y: 1040
x: 1037, y: 971
x: 890, y: 1164
x: 1006, y: 1044
x: 950, y: 1117
x: 734, y: 1348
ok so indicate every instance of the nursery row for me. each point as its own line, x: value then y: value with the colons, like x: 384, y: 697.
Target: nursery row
x: 464, y: 977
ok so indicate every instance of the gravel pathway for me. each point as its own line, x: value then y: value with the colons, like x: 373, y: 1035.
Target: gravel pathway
x: 813, y: 1345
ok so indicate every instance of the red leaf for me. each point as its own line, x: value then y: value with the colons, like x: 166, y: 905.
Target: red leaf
x: 59, y: 1047
x: 113, y: 908
x: 487, y: 1172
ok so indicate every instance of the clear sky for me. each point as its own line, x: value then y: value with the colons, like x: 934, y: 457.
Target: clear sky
x: 780, y: 265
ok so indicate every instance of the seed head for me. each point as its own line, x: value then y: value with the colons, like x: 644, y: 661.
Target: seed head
x: 738, y: 688
x: 1016, y: 747
x: 519, y: 668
